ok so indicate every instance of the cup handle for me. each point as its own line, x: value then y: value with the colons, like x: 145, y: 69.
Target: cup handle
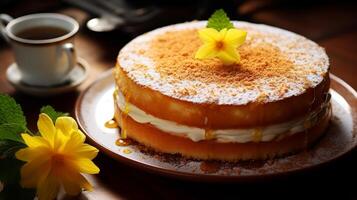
x: 4, y: 20
x: 68, y: 48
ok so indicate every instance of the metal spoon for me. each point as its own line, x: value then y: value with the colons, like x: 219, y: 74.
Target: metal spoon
x: 104, y: 24
x: 109, y: 21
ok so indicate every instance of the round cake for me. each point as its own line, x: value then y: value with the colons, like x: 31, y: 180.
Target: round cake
x: 274, y: 102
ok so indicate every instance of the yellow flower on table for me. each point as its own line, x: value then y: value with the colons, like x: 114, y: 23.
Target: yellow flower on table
x: 56, y: 158
x: 221, y: 44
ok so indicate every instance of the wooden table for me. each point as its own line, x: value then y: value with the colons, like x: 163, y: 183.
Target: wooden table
x: 332, y: 26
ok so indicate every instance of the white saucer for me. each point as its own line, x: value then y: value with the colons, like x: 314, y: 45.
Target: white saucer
x: 75, y: 78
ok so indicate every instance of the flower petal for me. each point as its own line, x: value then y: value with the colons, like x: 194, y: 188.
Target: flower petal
x: 34, y: 141
x: 48, y: 188
x: 24, y: 154
x: 227, y: 58
x: 86, y: 166
x: 70, y: 183
x: 235, y: 37
x: 222, y: 35
x: 46, y: 127
x: 73, y: 182
x: 208, y: 35
x: 28, y: 154
x: 80, y: 135
x: 87, y: 151
x: 34, y: 171
x: 232, y: 52
x: 66, y: 125
x: 74, y: 142
x: 206, y: 51
x: 84, y: 183
x: 59, y: 141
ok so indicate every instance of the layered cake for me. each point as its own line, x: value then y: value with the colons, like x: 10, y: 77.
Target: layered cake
x: 273, y: 102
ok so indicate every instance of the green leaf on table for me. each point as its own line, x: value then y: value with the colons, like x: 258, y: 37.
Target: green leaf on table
x: 12, y: 119
x: 52, y: 113
x: 11, y: 132
x: 11, y: 112
x: 219, y: 20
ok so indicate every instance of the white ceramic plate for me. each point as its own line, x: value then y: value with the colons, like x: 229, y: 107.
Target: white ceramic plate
x: 95, y: 106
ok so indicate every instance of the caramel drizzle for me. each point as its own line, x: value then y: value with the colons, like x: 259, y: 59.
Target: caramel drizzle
x: 123, y: 142
x: 127, y: 151
x: 209, y: 135
x: 111, y: 124
x: 257, y: 135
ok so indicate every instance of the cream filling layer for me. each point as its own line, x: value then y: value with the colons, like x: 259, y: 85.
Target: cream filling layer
x: 264, y: 134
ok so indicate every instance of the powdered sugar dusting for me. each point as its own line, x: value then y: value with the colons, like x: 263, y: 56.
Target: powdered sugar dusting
x: 310, y: 66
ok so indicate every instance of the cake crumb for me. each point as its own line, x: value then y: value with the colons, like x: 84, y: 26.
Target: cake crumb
x: 262, y: 97
x: 283, y: 89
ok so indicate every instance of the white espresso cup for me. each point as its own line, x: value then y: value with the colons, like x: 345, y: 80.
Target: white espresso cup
x: 43, y: 60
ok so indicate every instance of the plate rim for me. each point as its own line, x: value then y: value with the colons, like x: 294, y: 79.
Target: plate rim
x: 212, y: 177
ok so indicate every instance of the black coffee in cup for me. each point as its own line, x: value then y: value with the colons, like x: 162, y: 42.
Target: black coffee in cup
x: 41, y: 33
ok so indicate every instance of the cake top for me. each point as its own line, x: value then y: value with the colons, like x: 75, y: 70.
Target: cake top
x: 274, y: 64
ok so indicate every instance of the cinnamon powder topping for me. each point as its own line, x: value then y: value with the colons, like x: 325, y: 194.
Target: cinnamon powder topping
x: 173, y: 53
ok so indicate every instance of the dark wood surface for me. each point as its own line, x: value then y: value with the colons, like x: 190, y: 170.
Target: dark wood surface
x: 333, y: 25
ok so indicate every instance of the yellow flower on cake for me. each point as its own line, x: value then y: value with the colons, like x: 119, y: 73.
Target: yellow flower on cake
x: 56, y: 158
x: 221, y: 44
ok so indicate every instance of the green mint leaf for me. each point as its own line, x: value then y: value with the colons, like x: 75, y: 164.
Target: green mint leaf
x: 11, y: 112
x: 11, y: 131
x: 219, y: 20
x: 52, y: 113
x: 12, y: 119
